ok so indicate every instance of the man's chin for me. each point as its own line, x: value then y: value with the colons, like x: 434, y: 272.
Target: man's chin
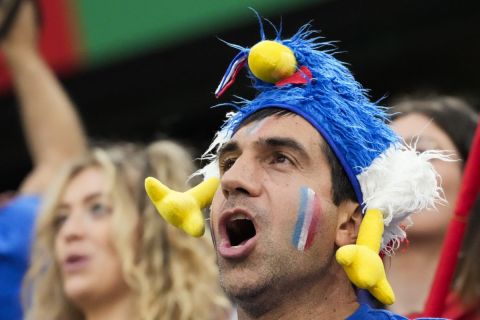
x: 243, y: 284
x: 251, y: 296
x: 244, y: 292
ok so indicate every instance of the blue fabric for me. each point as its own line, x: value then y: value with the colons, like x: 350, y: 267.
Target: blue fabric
x: 17, y: 219
x: 365, y: 312
x: 333, y: 102
x: 363, y: 296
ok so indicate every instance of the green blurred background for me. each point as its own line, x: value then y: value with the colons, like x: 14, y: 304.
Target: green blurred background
x: 146, y: 69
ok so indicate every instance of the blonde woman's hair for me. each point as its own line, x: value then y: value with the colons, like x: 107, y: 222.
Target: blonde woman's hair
x: 173, y: 275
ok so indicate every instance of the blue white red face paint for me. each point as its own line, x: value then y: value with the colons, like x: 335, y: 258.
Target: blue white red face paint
x: 307, y: 219
x: 256, y: 126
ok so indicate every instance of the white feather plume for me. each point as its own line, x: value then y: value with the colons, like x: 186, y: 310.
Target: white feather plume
x: 399, y: 182
x: 210, y: 155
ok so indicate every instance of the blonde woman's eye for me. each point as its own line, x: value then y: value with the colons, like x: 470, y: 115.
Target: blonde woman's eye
x: 99, y: 209
x: 59, y: 220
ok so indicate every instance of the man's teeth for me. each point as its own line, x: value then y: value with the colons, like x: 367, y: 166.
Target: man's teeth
x: 239, y: 216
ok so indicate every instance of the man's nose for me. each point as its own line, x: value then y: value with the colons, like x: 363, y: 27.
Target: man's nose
x: 243, y: 177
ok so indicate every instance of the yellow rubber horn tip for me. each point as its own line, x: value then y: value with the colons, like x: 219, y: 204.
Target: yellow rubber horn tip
x: 182, y: 209
x: 271, y: 61
x: 361, y: 261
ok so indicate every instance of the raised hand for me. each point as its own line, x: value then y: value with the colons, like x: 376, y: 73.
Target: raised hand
x: 20, y: 36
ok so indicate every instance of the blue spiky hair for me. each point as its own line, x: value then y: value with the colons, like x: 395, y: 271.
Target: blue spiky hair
x: 333, y: 102
x: 384, y: 173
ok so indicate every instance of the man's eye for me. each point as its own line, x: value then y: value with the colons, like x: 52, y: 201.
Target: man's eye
x: 280, y: 158
x: 227, y: 164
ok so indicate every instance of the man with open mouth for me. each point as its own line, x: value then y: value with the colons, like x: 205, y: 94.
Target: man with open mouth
x: 277, y: 222
x: 313, y: 186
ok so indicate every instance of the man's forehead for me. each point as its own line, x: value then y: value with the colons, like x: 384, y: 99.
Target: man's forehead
x: 288, y: 130
x: 287, y: 125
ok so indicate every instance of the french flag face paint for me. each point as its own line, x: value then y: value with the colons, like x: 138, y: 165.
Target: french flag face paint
x: 256, y: 127
x: 307, y: 219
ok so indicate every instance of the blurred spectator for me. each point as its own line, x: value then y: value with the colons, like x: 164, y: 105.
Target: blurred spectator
x: 444, y: 123
x: 54, y: 135
x: 161, y: 272
x: 102, y: 252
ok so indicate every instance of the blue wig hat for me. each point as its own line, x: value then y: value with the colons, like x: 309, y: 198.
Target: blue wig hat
x: 297, y: 75
x: 390, y: 179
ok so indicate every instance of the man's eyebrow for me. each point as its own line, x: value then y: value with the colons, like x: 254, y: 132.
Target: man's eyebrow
x: 230, y: 146
x: 287, y: 143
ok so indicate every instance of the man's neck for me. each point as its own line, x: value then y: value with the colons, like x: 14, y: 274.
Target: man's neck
x: 332, y: 297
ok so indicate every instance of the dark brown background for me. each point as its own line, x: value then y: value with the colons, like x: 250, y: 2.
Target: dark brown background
x: 393, y: 47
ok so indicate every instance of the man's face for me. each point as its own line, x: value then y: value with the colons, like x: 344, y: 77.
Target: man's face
x: 273, y: 221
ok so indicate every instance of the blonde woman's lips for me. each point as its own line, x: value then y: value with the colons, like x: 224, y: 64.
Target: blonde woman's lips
x: 75, y: 263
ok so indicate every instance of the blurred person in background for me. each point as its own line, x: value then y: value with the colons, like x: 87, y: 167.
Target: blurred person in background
x: 164, y: 263
x: 102, y: 252
x: 54, y: 135
x: 443, y: 123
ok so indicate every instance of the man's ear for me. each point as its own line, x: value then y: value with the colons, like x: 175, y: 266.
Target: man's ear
x: 348, y: 223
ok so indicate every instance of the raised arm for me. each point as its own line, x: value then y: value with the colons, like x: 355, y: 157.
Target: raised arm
x: 51, y: 125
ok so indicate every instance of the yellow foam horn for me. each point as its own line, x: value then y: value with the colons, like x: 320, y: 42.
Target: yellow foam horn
x: 361, y: 261
x: 271, y: 61
x: 182, y: 209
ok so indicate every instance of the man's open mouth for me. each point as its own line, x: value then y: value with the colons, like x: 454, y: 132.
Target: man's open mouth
x: 240, y: 229
x: 238, y: 234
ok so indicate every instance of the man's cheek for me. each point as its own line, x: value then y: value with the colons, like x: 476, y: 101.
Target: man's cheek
x: 215, y: 208
x: 308, y: 217
x: 217, y: 201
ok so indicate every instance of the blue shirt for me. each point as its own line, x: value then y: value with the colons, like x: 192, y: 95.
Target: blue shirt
x: 365, y: 312
x: 17, y: 219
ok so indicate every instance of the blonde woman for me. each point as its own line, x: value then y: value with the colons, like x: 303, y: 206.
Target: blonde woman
x: 101, y: 251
